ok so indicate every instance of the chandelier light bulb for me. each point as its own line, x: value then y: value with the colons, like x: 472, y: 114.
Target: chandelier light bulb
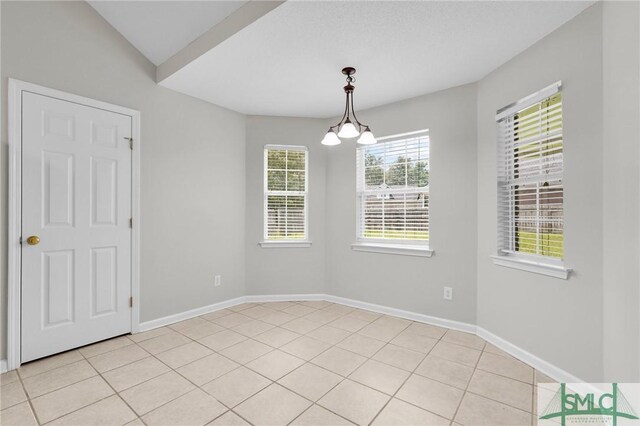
x: 331, y: 139
x: 367, y: 138
x: 348, y: 130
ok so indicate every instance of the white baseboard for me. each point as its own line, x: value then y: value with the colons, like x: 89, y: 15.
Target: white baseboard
x: 171, y: 319
x: 3, y: 365
x: 545, y: 367
x: 255, y: 298
x: 556, y: 373
x: 413, y: 316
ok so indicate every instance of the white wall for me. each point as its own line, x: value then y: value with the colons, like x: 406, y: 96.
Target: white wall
x: 559, y: 321
x: 193, y: 175
x: 285, y: 270
x: 405, y: 282
x: 621, y: 189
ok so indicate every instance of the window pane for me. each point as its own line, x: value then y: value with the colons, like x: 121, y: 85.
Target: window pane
x: 396, y: 216
x: 277, y: 159
x: 295, y: 217
x: 538, y: 224
x: 531, y: 188
x: 373, y: 218
x: 391, y: 207
x: 295, y: 160
x: 295, y: 181
x: 416, y: 150
x: 418, y: 174
x: 551, y: 238
x: 374, y: 176
x: 397, y: 174
x: 285, y: 217
x: 276, y: 217
x: 276, y: 180
x: 374, y: 168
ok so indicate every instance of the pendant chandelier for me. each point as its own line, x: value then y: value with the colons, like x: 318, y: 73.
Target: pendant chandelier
x: 349, y: 127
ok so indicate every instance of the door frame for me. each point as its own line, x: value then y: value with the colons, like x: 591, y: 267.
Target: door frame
x: 14, y: 302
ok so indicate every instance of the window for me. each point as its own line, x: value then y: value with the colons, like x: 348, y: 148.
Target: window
x: 285, y: 194
x: 393, y: 190
x: 530, y: 178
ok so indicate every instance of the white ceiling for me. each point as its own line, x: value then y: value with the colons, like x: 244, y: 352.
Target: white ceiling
x: 159, y: 29
x: 288, y: 62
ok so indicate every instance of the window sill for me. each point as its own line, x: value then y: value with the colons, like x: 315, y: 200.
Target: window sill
x: 400, y: 249
x: 284, y: 244
x: 556, y: 271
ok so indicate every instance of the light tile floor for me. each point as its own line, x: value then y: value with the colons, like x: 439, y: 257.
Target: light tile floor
x: 278, y: 363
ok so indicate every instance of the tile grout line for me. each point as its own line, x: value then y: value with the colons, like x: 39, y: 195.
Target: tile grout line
x: 33, y: 410
x: 171, y: 369
x: 84, y: 358
x: 370, y: 358
x: 412, y: 372
x: 240, y: 365
x: 455, y: 414
x: 88, y: 359
x: 91, y: 365
x: 215, y: 352
x: 112, y: 388
x: 231, y: 408
x: 309, y: 362
x: 154, y: 356
x: 342, y: 314
x: 109, y: 384
x: 300, y: 366
x: 505, y: 377
x: 84, y: 406
x: 487, y: 397
x: 275, y: 382
x: 342, y: 378
x: 95, y: 402
x: 54, y: 368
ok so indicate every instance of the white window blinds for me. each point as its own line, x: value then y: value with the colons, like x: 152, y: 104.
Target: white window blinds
x: 530, y: 176
x: 285, y: 193
x: 393, y: 189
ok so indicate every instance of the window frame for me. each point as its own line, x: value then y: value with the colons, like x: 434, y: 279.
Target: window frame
x: 284, y: 243
x: 387, y: 245
x: 531, y: 262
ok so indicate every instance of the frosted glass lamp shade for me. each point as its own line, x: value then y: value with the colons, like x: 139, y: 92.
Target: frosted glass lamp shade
x: 331, y: 139
x: 367, y: 138
x: 348, y: 130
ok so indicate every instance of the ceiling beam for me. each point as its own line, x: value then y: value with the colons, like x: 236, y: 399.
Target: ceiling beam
x: 241, y: 18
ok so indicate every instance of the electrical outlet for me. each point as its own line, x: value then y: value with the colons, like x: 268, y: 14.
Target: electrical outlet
x: 448, y: 293
x: 217, y: 280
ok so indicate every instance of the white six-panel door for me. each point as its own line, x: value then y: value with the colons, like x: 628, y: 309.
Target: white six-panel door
x: 76, y: 198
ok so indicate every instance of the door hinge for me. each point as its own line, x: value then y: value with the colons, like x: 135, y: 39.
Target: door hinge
x: 130, y: 142
x: 20, y: 240
x: 131, y: 302
x: 130, y: 222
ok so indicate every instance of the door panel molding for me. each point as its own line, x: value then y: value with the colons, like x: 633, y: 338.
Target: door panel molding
x: 100, y: 135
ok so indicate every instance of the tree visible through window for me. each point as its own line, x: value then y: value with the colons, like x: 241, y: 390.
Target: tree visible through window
x: 285, y: 197
x: 393, y: 189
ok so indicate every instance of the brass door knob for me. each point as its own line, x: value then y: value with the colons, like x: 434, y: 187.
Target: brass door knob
x: 33, y: 240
